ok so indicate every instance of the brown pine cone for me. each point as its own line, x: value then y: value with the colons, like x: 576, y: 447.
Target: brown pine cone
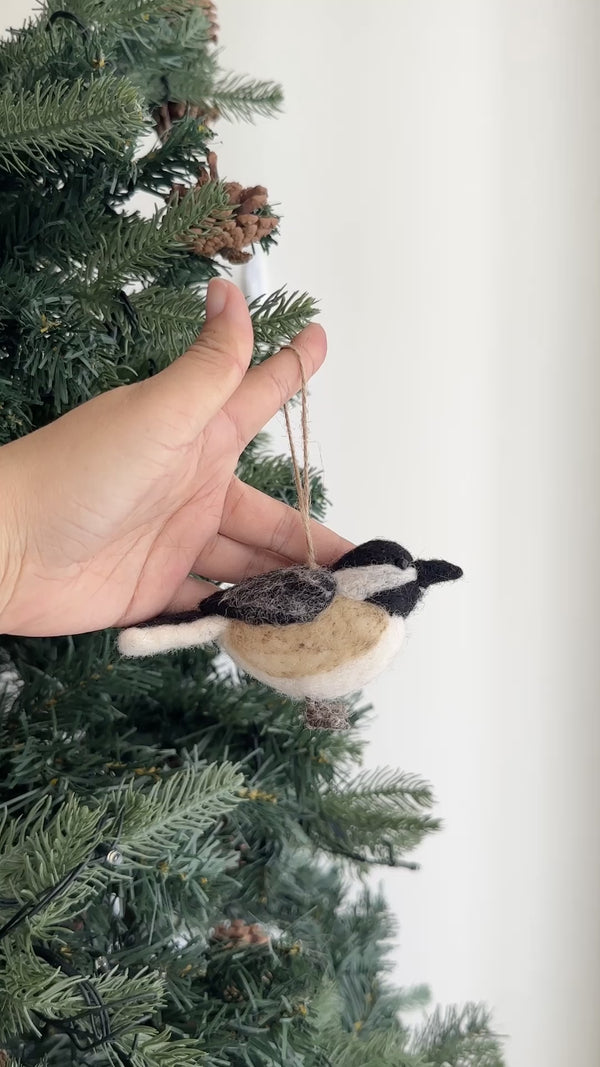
x: 230, y: 237
x: 237, y: 933
x: 167, y: 114
x: 210, y: 10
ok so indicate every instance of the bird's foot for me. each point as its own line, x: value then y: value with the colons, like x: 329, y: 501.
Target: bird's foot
x: 326, y: 715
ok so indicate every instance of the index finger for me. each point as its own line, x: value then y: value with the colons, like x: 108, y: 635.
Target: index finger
x: 269, y: 385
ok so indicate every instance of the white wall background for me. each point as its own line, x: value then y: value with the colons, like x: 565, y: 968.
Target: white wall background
x: 438, y: 170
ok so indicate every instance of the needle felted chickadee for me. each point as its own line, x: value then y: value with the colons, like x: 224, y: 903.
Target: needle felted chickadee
x: 318, y: 633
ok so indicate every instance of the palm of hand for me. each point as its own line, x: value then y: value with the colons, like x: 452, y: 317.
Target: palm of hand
x: 117, y: 543
x: 133, y: 491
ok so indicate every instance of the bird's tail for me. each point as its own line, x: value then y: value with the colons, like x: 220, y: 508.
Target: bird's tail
x: 169, y: 633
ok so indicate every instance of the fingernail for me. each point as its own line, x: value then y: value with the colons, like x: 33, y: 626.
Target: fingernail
x: 216, y: 298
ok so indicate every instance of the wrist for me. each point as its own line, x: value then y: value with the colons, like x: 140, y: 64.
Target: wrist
x: 12, y: 546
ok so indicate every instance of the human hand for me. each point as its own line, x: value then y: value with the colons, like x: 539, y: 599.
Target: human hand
x: 107, y: 510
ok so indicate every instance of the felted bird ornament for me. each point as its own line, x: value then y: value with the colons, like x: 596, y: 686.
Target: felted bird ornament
x: 313, y: 633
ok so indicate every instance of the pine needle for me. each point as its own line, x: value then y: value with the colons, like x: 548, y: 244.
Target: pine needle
x: 75, y: 117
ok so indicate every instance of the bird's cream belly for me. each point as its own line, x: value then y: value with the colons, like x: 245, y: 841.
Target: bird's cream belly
x: 337, y: 653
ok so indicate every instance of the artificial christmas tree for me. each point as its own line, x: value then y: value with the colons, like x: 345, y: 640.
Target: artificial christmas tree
x: 175, y: 845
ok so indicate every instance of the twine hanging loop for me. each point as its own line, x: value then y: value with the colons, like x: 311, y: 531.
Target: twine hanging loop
x: 302, y: 480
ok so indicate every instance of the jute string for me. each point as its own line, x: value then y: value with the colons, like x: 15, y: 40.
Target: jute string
x: 318, y: 714
x: 302, y: 480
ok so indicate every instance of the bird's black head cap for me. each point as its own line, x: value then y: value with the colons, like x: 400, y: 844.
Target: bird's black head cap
x: 403, y: 599
x: 372, y: 552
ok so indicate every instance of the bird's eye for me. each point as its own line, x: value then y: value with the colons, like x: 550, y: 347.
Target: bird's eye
x: 403, y: 563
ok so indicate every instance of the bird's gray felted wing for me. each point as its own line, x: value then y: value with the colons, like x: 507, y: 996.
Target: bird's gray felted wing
x: 279, y: 598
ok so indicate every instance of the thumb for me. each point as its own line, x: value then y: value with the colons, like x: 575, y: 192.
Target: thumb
x: 198, y: 383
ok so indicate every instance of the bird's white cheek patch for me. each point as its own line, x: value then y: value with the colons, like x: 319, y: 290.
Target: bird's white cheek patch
x: 363, y: 582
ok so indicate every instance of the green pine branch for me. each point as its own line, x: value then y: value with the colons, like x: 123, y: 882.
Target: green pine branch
x: 78, y: 118
x: 24, y: 53
x: 46, y: 848
x: 122, y: 993
x: 68, y: 725
x: 15, y: 412
x: 72, y: 355
x: 176, y: 158
x: 134, y: 247
x: 170, y: 58
x: 40, y: 850
x: 167, y: 321
x: 351, y: 1046
x: 47, y: 231
x: 123, y: 14
x: 412, y: 997
x: 376, y: 818
x: 188, y: 802
x: 238, y: 97
x: 387, y: 788
x: 147, y: 1047
x: 278, y: 317
x: 384, y: 1048
x: 459, y: 1036
x: 31, y: 990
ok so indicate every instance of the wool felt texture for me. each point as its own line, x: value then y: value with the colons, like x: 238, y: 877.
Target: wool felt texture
x: 318, y: 633
x: 369, y: 580
x: 168, y: 633
x: 325, y: 715
x: 353, y: 644
x: 278, y: 598
x: 373, y: 552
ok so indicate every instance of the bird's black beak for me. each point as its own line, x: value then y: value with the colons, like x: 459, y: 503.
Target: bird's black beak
x: 430, y: 571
